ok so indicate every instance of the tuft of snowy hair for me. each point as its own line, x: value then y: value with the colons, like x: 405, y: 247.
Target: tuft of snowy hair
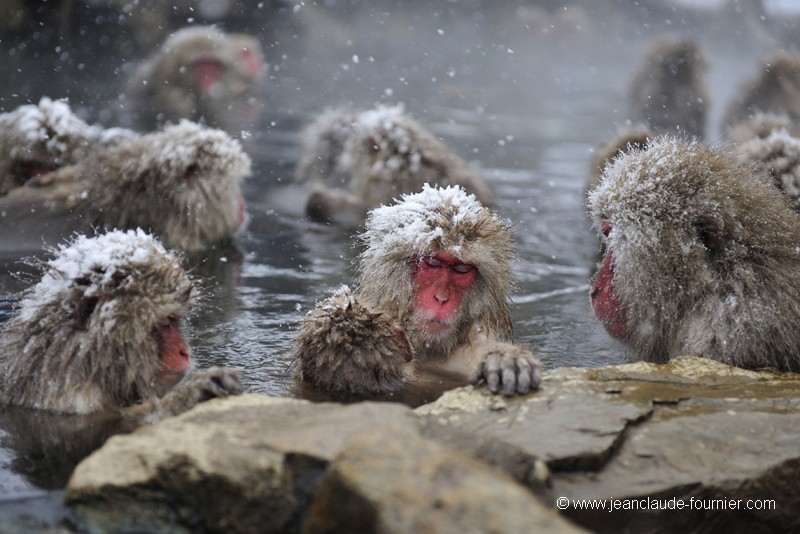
x: 51, y: 122
x: 88, y: 257
x: 416, y: 221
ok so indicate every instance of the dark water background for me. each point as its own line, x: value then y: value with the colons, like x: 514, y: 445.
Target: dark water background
x: 523, y: 101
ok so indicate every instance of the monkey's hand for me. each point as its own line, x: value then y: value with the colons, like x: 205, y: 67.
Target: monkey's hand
x: 200, y: 387
x: 516, y: 368
x: 344, y: 347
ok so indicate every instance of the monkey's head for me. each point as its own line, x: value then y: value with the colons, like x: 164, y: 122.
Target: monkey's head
x: 183, y: 184
x: 101, y: 327
x: 760, y: 126
x: 681, y: 59
x: 323, y: 142
x: 439, y: 261
x: 684, y: 225
x: 375, y: 342
x: 386, y: 152
x: 36, y: 139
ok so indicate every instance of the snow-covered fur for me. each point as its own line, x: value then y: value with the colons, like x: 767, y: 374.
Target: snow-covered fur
x: 182, y: 183
x: 38, y: 138
x: 81, y: 340
x: 776, y: 157
x: 706, y: 257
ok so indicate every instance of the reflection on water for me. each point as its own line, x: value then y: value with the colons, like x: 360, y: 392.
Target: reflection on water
x: 526, y: 111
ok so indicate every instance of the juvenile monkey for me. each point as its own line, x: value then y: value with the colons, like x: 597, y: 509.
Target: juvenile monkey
x: 775, y: 89
x: 100, y: 333
x: 668, y: 89
x: 701, y: 258
x: 432, y: 301
x: 38, y: 138
x: 182, y: 184
x: 379, y: 154
x: 202, y: 74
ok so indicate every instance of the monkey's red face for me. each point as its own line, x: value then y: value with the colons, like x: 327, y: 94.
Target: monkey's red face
x: 441, y: 282
x: 172, y: 350
x: 605, y: 302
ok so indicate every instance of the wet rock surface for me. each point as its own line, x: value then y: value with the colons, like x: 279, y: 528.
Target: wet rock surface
x: 642, y: 439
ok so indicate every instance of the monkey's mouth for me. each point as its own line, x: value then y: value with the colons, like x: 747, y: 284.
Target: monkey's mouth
x: 434, y: 327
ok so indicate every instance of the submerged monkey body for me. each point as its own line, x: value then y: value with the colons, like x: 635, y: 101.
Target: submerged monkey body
x: 704, y: 258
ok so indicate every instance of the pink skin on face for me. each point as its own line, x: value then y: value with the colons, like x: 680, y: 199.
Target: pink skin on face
x: 441, y: 281
x: 607, y: 307
x: 173, y: 351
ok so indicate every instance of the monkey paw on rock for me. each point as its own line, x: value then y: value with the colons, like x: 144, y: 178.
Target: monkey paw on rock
x: 513, y: 367
x: 345, y: 348
x: 201, y: 386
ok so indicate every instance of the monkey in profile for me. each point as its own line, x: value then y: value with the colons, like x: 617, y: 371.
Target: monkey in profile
x: 39, y: 138
x: 430, y: 311
x: 100, y: 333
x: 668, y: 90
x: 182, y: 183
x: 378, y: 154
x: 701, y: 258
x: 774, y: 90
x: 202, y: 74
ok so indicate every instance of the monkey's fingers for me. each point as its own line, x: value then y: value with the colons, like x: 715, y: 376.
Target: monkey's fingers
x: 218, y: 382
x: 492, y: 366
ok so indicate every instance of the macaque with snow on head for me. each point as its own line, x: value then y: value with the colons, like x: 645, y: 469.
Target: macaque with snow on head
x: 100, y: 333
x: 775, y: 89
x: 38, y: 138
x: 774, y: 154
x: 432, y: 301
x: 702, y: 258
x: 202, y: 74
x: 378, y: 155
x: 182, y: 183
x: 668, y: 91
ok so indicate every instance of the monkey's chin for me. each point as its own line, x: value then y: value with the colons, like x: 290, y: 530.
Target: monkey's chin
x: 434, y: 329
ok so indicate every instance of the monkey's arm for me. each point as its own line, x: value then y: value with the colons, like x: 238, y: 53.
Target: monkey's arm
x: 345, y: 349
x: 516, y: 368
x: 200, y: 387
x: 335, y: 206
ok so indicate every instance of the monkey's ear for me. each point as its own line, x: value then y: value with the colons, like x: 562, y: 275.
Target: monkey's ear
x: 83, y: 312
x: 709, y: 232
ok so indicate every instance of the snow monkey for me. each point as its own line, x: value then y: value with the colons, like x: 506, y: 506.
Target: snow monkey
x: 668, y: 89
x: 363, y: 160
x: 38, y: 138
x: 775, y: 89
x: 701, y: 258
x: 100, y: 333
x: 182, y: 184
x: 432, y: 300
x: 202, y: 74
x: 775, y: 156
